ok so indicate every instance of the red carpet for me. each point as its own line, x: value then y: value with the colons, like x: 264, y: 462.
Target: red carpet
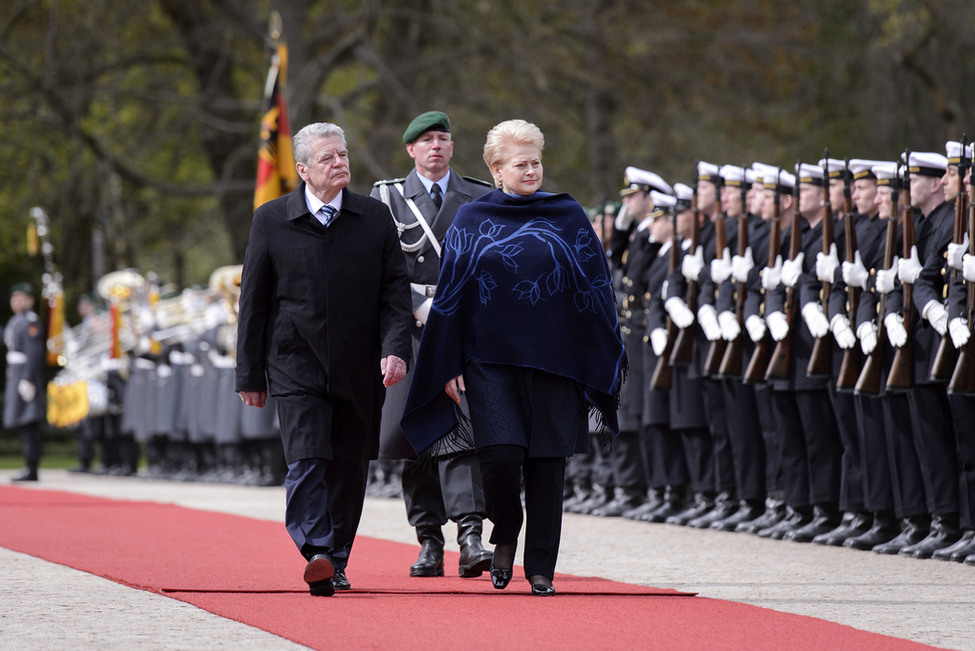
x: 248, y: 570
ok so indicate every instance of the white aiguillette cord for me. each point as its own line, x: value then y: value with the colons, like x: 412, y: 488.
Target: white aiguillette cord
x: 419, y: 217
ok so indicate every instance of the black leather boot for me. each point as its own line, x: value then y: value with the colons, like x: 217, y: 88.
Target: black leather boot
x: 725, y: 505
x: 855, y: 525
x: 701, y: 504
x: 624, y: 499
x: 474, y: 559
x: 748, y: 510
x: 430, y: 561
x: 775, y: 512
x: 826, y: 517
x: 913, y: 531
x: 29, y: 473
x: 885, y: 528
x: 944, y: 533
x: 672, y: 504
x: 797, y: 518
x: 959, y: 551
x: 651, y: 503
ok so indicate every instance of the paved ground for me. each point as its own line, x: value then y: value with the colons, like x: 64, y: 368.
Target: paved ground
x: 48, y: 606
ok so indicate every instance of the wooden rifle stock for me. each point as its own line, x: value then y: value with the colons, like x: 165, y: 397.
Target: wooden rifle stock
x: 963, y: 378
x: 852, y: 362
x: 946, y: 357
x: 661, y: 378
x: 712, y: 363
x: 781, y: 362
x: 869, y: 380
x: 758, y: 364
x: 820, y: 361
x: 731, y: 362
x: 901, y: 373
x: 683, y: 348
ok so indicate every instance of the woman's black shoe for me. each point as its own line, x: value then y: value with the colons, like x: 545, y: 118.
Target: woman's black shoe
x: 541, y: 586
x: 500, y: 577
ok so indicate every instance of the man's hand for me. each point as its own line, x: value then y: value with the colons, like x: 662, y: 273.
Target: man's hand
x: 826, y: 265
x: 253, y: 398
x: 721, y: 267
x: 26, y: 390
x: 854, y: 273
x: 778, y: 325
x: 959, y: 331
x: 741, y: 265
x: 691, y: 265
x: 886, y: 277
x: 792, y: 269
x: 816, y: 321
x: 706, y: 316
x: 842, y: 332
x: 896, y: 333
x: 956, y: 253
x: 455, y: 388
x: 730, y: 328
x: 908, y: 270
x: 658, y: 341
x: 393, y: 370
x: 679, y: 312
x: 867, y: 333
x: 755, y: 327
x: 772, y: 276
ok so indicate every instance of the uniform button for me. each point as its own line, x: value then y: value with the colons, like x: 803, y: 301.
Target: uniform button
x: 420, y: 259
x: 419, y: 324
x: 628, y: 314
x: 646, y: 339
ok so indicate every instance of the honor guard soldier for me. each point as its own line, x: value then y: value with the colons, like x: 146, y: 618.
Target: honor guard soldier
x: 931, y: 419
x: 423, y: 206
x: 627, y: 458
x: 24, y: 399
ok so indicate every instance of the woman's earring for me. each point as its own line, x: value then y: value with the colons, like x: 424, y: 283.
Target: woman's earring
x: 500, y: 184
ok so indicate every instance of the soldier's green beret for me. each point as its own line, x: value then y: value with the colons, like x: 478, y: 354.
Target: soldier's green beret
x: 22, y: 287
x: 429, y: 121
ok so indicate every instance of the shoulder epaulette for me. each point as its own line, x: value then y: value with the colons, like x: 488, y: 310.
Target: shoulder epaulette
x: 478, y: 181
x: 388, y: 182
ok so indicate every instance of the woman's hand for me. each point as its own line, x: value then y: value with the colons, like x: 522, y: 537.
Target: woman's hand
x: 455, y: 387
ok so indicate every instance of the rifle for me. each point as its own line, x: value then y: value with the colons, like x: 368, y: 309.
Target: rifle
x: 963, y: 379
x: 852, y: 363
x: 820, y: 360
x: 757, y: 365
x: 901, y: 373
x: 869, y: 380
x: 732, y: 359
x: 712, y: 363
x: 780, y: 365
x: 946, y: 357
x: 661, y: 378
x: 683, y: 347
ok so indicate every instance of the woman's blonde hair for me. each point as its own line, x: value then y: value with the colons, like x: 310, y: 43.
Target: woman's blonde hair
x: 507, y: 134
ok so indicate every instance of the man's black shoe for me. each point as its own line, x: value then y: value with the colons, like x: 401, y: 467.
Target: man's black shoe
x: 321, y: 588
x: 319, y: 569
x: 340, y: 582
x: 29, y: 474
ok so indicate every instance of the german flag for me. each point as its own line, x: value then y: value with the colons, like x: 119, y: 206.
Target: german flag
x: 276, y: 174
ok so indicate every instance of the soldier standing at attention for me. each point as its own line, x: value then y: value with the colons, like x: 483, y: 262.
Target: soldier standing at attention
x: 24, y: 403
x: 423, y: 206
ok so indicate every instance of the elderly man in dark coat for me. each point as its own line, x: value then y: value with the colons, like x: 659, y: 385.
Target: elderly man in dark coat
x: 324, y: 327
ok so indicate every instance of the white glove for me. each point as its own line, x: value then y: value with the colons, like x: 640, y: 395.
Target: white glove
x: 772, y: 276
x: 26, y: 390
x: 826, y: 265
x: 755, y: 327
x: 909, y: 270
x: 691, y: 265
x: 729, y: 326
x: 854, y: 273
x: 778, y: 325
x: 423, y: 312
x: 896, y: 334
x: 658, y: 341
x: 679, y: 312
x: 721, y: 268
x: 960, y: 334
x: 968, y: 267
x: 816, y: 321
x: 792, y: 269
x: 937, y: 316
x: 956, y: 252
x: 867, y: 332
x: 707, y: 317
x: 741, y: 265
x: 886, y: 277
x: 842, y: 332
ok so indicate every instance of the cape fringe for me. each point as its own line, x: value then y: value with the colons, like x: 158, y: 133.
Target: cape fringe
x: 459, y: 440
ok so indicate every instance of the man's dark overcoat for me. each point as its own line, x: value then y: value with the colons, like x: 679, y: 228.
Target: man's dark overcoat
x: 319, y: 308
